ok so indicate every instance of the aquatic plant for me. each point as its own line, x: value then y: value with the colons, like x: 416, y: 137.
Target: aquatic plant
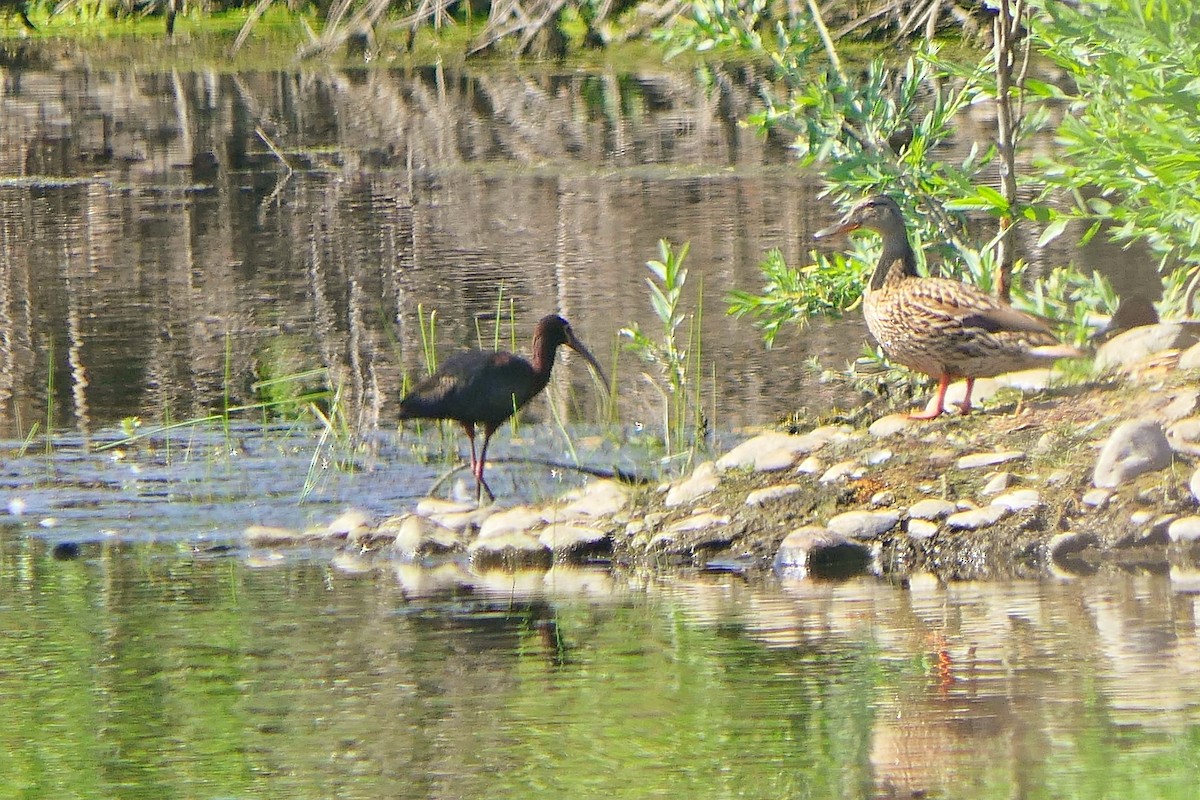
x: 333, y: 446
x: 504, y: 321
x: 313, y: 400
x: 28, y: 440
x: 427, y: 324
x: 502, y: 335
x: 49, y: 437
x: 676, y: 359
x: 428, y: 328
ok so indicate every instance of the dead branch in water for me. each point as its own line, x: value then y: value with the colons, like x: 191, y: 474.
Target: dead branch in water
x: 620, y: 475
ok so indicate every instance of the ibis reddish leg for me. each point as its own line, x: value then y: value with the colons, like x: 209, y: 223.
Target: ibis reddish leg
x: 470, y: 429
x: 480, y: 483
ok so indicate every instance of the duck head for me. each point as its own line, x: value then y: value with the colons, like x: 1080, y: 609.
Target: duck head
x: 879, y: 213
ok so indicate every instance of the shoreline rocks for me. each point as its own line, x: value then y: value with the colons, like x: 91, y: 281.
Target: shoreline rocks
x: 1063, y: 482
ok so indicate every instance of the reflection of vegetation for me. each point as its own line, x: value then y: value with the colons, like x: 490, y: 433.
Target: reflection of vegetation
x: 177, y: 678
x: 144, y: 673
x: 686, y: 732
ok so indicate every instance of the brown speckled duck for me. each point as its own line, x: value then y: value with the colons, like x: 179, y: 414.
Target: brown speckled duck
x: 941, y: 327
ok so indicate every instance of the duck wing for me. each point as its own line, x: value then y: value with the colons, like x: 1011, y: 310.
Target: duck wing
x: 941, y: 298
x: 1006, y: 318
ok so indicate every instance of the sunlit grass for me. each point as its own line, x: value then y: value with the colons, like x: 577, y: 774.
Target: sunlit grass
x: 277, y: 23
x: 205, y: 41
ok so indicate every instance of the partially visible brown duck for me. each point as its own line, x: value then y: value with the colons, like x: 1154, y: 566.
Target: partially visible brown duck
x: 941, y: 327
x: 1134, y: 311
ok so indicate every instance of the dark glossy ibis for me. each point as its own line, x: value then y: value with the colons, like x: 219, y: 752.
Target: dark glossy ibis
x: 481, y: 387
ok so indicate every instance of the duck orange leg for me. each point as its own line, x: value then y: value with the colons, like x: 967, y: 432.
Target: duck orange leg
x: 965, y: 405
x: 943, y: 384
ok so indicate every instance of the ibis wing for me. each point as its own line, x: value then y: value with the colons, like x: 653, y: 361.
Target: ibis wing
x: 474, y: 386
x: 504, y: 387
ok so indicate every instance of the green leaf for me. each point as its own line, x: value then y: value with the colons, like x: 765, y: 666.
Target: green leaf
x: 1053, y: 231
x: 658, y: 302
x: 995, y: 198
x: 1092, y: 231
x: 1044, y: 90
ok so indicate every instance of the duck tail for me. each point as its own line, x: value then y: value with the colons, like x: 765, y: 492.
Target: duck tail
x: 1054, y: 351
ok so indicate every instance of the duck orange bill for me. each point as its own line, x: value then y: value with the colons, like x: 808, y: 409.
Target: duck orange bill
x: 842, y: 226
x: 578, y: 347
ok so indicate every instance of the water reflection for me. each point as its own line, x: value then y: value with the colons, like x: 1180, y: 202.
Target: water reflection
x: 168, y: 239
x: 203, y: 487
x: 201, y: 674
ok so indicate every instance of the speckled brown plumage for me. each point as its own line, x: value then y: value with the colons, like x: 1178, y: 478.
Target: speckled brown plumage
x: 941, y: 327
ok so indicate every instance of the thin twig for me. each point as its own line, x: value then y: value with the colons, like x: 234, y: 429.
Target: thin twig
x: 596, y: 472
x: 284, y: 178
x: 830, y: 49
x: 271, y: 146
x: 247, y: 26
x: 1004, y: 28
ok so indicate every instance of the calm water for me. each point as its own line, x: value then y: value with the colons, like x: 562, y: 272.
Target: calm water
x: 168, y: 241
x: 154, y: 673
